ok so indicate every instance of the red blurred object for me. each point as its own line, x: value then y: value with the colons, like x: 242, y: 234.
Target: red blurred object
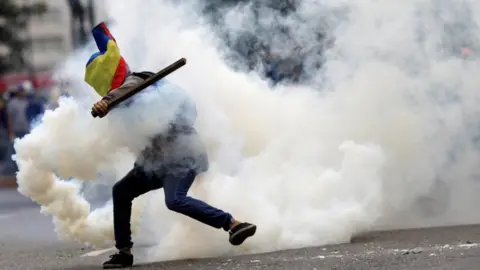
x: 466, y: 51
x: 38, y: 79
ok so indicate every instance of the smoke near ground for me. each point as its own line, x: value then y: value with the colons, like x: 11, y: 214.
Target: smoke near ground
x: 382, y: 135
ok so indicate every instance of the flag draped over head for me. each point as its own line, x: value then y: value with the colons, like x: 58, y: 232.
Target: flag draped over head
x: 106, y: 69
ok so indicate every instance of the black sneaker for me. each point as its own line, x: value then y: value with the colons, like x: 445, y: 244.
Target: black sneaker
x: 241, y: 232
x: 119, y: 260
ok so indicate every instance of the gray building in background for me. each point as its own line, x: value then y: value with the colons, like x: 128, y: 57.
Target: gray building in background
x: 51, y: 34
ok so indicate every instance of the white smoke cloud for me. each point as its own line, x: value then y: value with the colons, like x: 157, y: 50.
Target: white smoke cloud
x: 383, y: 135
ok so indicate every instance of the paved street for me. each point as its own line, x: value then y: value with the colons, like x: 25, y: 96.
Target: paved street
x: 27, y: 241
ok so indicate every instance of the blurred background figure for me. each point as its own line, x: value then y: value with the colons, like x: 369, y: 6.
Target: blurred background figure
x: 18, y: 123
x: 6, y: 133
x: 35, y: 107
x: 17, y: 109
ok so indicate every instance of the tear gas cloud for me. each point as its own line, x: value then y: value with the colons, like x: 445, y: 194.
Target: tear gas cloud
x: 382, y: 135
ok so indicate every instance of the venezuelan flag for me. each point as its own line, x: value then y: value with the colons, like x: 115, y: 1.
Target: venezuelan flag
x: 105, y: 70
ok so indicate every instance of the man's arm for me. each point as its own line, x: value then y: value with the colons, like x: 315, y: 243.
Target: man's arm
x: 130, y: 82
x: 101, y: 108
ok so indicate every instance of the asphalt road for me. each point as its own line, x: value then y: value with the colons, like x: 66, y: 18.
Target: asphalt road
x: 27, y: 241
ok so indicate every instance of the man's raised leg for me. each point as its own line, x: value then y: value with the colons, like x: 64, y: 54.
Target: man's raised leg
x: 176, y: 199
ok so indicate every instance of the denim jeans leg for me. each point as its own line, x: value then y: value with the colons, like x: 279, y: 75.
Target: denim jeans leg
x: 132, y: 185
x: 176, y: 199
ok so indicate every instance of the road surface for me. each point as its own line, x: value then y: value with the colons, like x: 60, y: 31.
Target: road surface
x: 27, y: 241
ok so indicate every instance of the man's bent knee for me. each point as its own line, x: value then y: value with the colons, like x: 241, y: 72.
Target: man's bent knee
x: 119, y: 192
x: 175, y: 204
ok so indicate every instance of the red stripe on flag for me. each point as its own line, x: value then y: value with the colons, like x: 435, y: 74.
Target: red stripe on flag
x: 120, y: 74
x: 107, y: 31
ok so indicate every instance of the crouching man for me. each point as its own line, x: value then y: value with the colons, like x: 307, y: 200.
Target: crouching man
x: 172, y: 161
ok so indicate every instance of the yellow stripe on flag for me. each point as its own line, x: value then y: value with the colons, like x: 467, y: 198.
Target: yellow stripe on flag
x: 100, y: 72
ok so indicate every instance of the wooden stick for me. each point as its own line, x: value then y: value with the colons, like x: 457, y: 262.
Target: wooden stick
x: 148, y: 82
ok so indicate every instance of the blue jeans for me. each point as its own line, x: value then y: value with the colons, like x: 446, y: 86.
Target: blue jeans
x: 176, y: 187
